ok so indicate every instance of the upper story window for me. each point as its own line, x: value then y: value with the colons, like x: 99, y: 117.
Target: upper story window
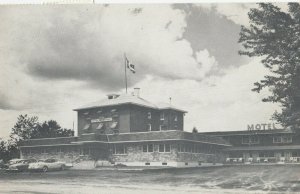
x: 250, y: 140
x: 149, y: 127
x: 162, y: 116
x: 282, y: 139
x: 176, y: 118
x: 162, y: 127
x: 149, y: 115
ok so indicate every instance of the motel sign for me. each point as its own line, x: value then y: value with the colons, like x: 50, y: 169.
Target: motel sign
x: 264, y: 126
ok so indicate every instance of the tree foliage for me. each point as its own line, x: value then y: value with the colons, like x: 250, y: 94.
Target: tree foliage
x: 28, y: 127
x: 274, y: 35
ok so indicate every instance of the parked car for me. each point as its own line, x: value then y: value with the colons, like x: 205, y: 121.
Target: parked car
x: 48, y: 165
x: 20, y: 165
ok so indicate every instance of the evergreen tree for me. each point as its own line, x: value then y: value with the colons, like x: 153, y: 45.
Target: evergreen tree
x: 274, y: 35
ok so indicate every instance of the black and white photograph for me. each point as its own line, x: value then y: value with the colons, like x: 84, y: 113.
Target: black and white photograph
x: 150, y: 98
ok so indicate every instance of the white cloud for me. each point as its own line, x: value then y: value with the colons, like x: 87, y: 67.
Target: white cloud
x: 218, y: 103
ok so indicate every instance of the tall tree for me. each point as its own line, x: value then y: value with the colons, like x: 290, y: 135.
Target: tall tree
x: 274, y: 35
x: 24, y: 128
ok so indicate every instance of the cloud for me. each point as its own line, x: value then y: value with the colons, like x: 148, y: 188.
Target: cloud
x: 87, y: 43
x: 217, y: 103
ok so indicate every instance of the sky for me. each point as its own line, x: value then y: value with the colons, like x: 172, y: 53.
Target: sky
x: 55, y: 58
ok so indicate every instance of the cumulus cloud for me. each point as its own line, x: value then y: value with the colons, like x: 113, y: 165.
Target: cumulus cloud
x: 217, y: 103
x: 87, y: 43
x: 54, y: 59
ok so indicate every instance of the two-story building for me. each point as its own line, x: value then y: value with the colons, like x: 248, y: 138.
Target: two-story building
x: 127, y: 129
x: 274, y: 145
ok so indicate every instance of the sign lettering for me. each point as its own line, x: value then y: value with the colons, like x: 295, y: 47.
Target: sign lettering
x: 101, y: 119
x: 263, y: 126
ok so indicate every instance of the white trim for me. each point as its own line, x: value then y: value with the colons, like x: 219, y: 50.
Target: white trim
x: 153, y: 132
x: 149, y: 127
x: 53, y: 145
x: 49, y: 138
x: 168, y: 140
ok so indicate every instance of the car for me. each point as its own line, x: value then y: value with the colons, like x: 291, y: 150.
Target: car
x: 19, y: 165
x: 48, y: 165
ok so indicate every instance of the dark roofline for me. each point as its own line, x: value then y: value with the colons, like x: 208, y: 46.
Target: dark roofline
x: 130, y: 103
x: 246, y: 132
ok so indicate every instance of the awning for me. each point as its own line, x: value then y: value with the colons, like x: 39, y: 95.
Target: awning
x: 86, y: 113
x: 100, y: 126
x: 113, y: 125
x: 86, y: 127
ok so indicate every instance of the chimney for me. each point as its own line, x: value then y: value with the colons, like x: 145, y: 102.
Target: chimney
x: 137, y: 92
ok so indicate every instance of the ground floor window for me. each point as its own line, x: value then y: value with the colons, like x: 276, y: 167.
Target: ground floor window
x: 164, y: 148
x: 120, y: 149
x: 148, y: 148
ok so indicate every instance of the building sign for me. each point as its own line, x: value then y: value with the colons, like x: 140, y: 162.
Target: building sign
x: 101, y: 119
x: 264, y: 126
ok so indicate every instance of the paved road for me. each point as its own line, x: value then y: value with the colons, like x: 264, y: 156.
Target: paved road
x: 238, y: 179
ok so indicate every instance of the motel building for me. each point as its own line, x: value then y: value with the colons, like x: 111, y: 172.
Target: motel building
x: 261, y: 145
x: 128, y: 130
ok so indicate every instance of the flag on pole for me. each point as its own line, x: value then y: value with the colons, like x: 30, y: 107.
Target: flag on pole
x: 129, y: 65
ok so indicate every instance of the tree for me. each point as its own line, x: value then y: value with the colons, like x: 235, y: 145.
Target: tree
x: 24, y: 128
x: 274, y: 35
x: 29, y: 128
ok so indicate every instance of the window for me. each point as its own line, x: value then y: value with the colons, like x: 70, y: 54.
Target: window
x: 149, y: 115
x: 162, y: 127
x: 164, y: 148
x: 161, y: 148
x: 120, y: 149
x: 149, y: 127
x: 175, y: 118
x: 282, y: 139
x: 145, y: 148
x: 162, y: 116
x: 148, y: 148
x: 250, y: 140
x: 167, y: 148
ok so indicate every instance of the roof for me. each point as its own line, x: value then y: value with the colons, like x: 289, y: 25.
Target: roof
x: 126, y: 99
x: 252, y: 132
x: 151, y: 136
x: 169, y: 106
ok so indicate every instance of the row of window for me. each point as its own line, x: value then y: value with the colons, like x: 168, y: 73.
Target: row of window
x: 282, y: 139
x: 161, y: 127
x: 276, y: 139
x: 193, y: 148
x: 162, y: 116
x: 161, y: 148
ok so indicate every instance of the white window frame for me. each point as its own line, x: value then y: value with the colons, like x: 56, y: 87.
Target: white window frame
x: 176, y: 118
x: 124, y: 150
x: 149, y: 115
x: 281, y: 139
x: 149, y: 127
x: 147, y: 145
x: 250, y: 140
x: 162, y: 116
x: 164, y: 148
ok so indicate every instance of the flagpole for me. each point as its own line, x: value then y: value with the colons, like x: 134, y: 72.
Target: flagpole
x: 125, y: 72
